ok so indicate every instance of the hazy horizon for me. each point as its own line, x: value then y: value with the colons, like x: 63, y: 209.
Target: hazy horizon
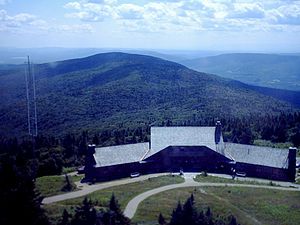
x: 208, y: 25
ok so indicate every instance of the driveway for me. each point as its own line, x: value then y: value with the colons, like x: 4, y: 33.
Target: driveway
x: 189, y: 182
x: 87, y: 189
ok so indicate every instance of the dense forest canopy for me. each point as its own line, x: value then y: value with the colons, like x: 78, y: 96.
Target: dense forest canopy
x: 112, y: 99
x: 106, y: 91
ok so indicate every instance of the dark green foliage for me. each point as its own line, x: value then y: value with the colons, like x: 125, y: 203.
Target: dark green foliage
x: 115, y: 213
x: 161, y: 219
x: 65, y: 218
x: 86, y: 214
x: 277, y: 129
x: 176, y: 218
x: 189, y: 213
x: 271, y: 70
x: 232, y: 221
x: 68, y: 184
x: 191, y: 216
x: 20, y: 202
x: 113, y: 204
x: 116, y: 91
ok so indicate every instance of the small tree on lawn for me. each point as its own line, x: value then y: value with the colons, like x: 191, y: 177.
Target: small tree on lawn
x: 161, y: 219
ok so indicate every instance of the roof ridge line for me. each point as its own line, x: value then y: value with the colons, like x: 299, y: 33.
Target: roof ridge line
x: 143, y: 157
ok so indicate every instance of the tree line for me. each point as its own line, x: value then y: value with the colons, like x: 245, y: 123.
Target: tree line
x: 48, y: 155
x: 189, y: 214
x: 21, y: 161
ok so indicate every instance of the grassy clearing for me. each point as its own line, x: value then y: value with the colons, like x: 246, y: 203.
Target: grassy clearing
x: 213, y: 179
x: 52, y: 185
x: 250, y: 206
x: 69, y: 169
x: 123, y: 193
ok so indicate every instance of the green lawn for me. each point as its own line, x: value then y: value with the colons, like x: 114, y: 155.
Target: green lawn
x: 213, y: 179
x: 52, y: 185
x: 123, y: 193
x: 250, y: 205
x: 68, y: 169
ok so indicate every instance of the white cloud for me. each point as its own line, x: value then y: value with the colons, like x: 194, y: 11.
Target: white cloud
x: 247, y: 10
x: 130, y: 11
x: 166, y: 15
x: 90, y: 12
x: 286, y: 14
x: 18, y: 20
x: 73, y: 5
x: 26, y: 23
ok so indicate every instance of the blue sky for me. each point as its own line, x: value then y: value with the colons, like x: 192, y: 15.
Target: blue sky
x: 236, y: 25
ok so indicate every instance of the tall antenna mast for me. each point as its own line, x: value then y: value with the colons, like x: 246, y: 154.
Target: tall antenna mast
x: 31, y: 99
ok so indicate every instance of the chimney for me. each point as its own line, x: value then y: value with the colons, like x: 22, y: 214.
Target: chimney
x: 91, y: 149
x: 219, y: 138
x: 218, y: 132
x: 292, y: 163
x: 90, y: 162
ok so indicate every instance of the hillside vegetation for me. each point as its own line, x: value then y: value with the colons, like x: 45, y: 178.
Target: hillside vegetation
x: 267, y: 70
x: 110, y: 90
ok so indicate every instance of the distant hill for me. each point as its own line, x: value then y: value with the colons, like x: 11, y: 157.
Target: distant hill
x: 117, y: 89
x: 51, y: 54
x: 267, y: 70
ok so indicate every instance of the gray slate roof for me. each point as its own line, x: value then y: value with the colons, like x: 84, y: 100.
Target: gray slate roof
x: 257, y: 155
x: 162, y: 137
x: 120, y: 154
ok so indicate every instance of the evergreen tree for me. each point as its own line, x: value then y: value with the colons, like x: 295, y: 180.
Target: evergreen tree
x: 176, y: 218
x: 68, y: 184
x: 20, y: 202
x: 232, y: 221
x: 113, y: 204
x: 188, y: 213
x: 116, y: 215
x: 65, y: 218
x: 84, y: 214
x: 161, y: 219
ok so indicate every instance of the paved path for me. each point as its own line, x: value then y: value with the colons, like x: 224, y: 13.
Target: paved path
x: 189, y: 182
x: 259, y: 180
x: 87, y: 189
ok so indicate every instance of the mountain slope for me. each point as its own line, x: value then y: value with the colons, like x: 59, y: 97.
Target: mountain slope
x: 274, y: 71
x: 118, y: 89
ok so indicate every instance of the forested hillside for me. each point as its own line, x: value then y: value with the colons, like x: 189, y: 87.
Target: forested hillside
x: 267, y: 70
x: 113, y: 90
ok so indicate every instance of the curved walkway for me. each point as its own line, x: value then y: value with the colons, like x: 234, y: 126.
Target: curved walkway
x: 87, y: 189
x: 189, y: 182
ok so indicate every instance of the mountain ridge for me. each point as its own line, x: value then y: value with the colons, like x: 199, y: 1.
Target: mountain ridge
x: 119, y: 89
x: 266, y: 70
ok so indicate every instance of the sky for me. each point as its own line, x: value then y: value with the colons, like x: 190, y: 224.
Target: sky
x: 223, y: 25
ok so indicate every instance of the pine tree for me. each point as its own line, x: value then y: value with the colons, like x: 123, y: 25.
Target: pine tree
x: 68, y: 185
x: 20, y: 201
x: 161, y: 219
x: 116, y: 215
x: 65, y: 218
x: 113, y: 204
x: 84, y: 214
x: 189, y: 214
x: 176, y: 218
x: 232, y: 221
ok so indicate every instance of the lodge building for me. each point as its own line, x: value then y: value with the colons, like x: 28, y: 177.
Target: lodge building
x: 191, y: 149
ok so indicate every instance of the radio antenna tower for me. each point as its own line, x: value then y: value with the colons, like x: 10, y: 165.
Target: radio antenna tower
x: 31, y: 98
